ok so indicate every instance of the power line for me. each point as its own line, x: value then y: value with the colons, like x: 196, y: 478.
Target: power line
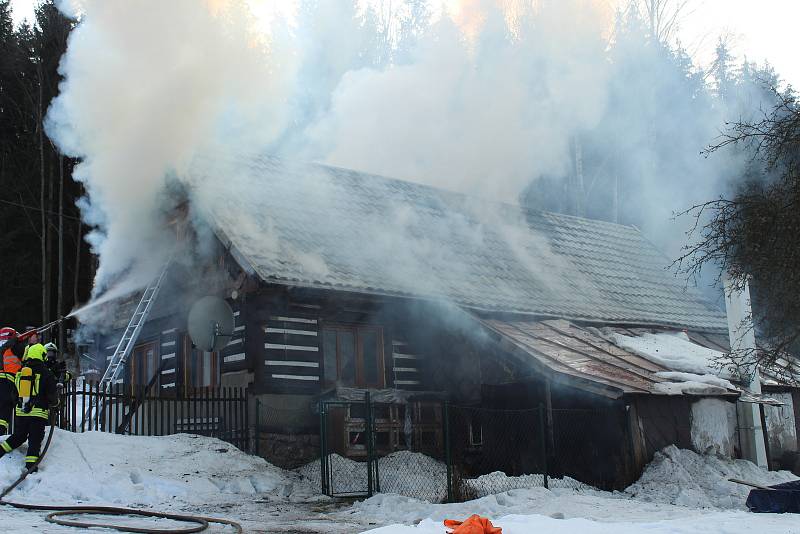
x: 35, y: 208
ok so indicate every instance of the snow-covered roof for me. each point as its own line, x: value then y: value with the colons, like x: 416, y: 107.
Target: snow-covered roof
x: 324, y: 227
x: 688, y: 352
x: 586, y: 358
x: 674, y: 350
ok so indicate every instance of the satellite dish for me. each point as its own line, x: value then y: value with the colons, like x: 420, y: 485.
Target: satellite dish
x: 210, y: 323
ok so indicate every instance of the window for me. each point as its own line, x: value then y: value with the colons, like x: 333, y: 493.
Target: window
x: 353, y: 355
x: 200, y: 368
x: 144, y: 365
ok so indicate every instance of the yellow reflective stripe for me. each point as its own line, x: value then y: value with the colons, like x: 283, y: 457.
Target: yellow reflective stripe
x: 6, y: 446
x: 4, y: 423
x: 29, y: 459
x: 35, y: 412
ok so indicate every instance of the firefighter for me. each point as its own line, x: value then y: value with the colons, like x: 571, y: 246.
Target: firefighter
x: 31, y: 336
x: 57, y: 367
x: 37, y: 392
x: 11, y: 364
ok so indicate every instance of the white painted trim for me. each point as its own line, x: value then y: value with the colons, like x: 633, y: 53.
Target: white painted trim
x: 406, y: 356
x: 292, y: 363
x: 167, y: 371
x: 238, y: 328
x: 165, y: 332
x: 290, y: 331
x: 167, y: 356
x: 234, y: 357
x: 170, y: 385
x: 168, y: 344
x: 236, y: 313
x: 297, y: 377
x: 290, y: 347
x: 234, y: 342
x: 293, y: 319
x: 405, y: 370
x: 406, y: 382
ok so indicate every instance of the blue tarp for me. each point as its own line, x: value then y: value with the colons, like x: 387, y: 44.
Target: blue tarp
x: 779, y: 499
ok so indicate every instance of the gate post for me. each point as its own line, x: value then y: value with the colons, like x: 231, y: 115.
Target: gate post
x: 543, y: 443
x: 448, y: 460
x: 323, y: 449
x: 368, y: 432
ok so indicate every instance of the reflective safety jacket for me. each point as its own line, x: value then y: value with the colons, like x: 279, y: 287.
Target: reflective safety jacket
x: 43, y: 392
x: 11, y: 365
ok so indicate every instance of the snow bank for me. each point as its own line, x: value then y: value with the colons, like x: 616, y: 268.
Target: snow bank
x: 105, y: 468
x: 672, y: 350
x: 683, y: 477
x: 498, y: 482
x: 718, y: 523
x: 402, y: 472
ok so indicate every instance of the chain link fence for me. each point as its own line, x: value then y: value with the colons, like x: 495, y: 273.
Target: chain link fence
x: 439, y: 452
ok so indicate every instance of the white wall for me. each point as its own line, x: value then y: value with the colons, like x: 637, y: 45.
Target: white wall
x: 714, y: 427
x: 781, y: 427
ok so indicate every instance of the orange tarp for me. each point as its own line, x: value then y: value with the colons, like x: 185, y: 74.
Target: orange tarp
x: 475, y: 524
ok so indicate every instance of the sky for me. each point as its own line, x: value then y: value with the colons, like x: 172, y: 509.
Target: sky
x: 761, y: 29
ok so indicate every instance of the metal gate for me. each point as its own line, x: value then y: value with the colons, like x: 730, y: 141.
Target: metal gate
x: 347, y: 444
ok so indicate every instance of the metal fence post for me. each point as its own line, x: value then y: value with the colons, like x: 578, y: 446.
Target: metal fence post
x: 543, y: 442
x: 448, y: 459
x: 323, y: 449
x: 257, y: 426
x: 368, y: 432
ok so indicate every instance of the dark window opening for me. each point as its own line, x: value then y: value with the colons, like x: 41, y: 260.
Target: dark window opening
x: 353, y: 356
x: 200, y: 368
x: 144, y: 365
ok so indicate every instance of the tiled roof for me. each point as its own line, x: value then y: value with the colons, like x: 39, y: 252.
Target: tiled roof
x: 318, y: 226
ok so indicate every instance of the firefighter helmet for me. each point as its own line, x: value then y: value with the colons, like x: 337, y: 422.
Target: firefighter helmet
x: 51, y: 347
x: 7, y: 333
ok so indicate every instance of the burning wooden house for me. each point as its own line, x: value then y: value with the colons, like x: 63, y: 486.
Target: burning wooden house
x: 343, y: 284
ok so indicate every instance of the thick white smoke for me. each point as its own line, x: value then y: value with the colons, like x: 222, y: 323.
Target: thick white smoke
x: 483, y: 102
x: 149, y: 84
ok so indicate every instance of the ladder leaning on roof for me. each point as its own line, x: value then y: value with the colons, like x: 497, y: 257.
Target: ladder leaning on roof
x: 131, y: 333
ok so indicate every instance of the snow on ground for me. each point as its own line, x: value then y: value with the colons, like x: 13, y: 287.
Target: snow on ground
x: 680, y: 492
x: 683, y: 477
x: 182, y: 473
x: 720, y: 523
x: 483, y: 485
x: 401, y: 472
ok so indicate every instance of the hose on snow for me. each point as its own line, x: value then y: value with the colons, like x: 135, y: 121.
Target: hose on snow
x: 57, y: 512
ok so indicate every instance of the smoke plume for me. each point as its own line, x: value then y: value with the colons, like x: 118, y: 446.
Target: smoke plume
x: 484, y: 98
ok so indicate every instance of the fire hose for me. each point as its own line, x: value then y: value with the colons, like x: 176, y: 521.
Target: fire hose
x: 198, y: 523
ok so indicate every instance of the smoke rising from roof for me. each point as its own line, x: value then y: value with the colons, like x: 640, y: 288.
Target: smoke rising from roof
x: 483, y: 105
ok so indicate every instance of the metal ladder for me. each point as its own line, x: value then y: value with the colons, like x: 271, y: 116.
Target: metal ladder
x: 131, y: 333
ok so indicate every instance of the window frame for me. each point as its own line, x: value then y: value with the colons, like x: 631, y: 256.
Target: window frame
x: 186, y: 367
x: 357, y: 331
x: 139, y: 359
